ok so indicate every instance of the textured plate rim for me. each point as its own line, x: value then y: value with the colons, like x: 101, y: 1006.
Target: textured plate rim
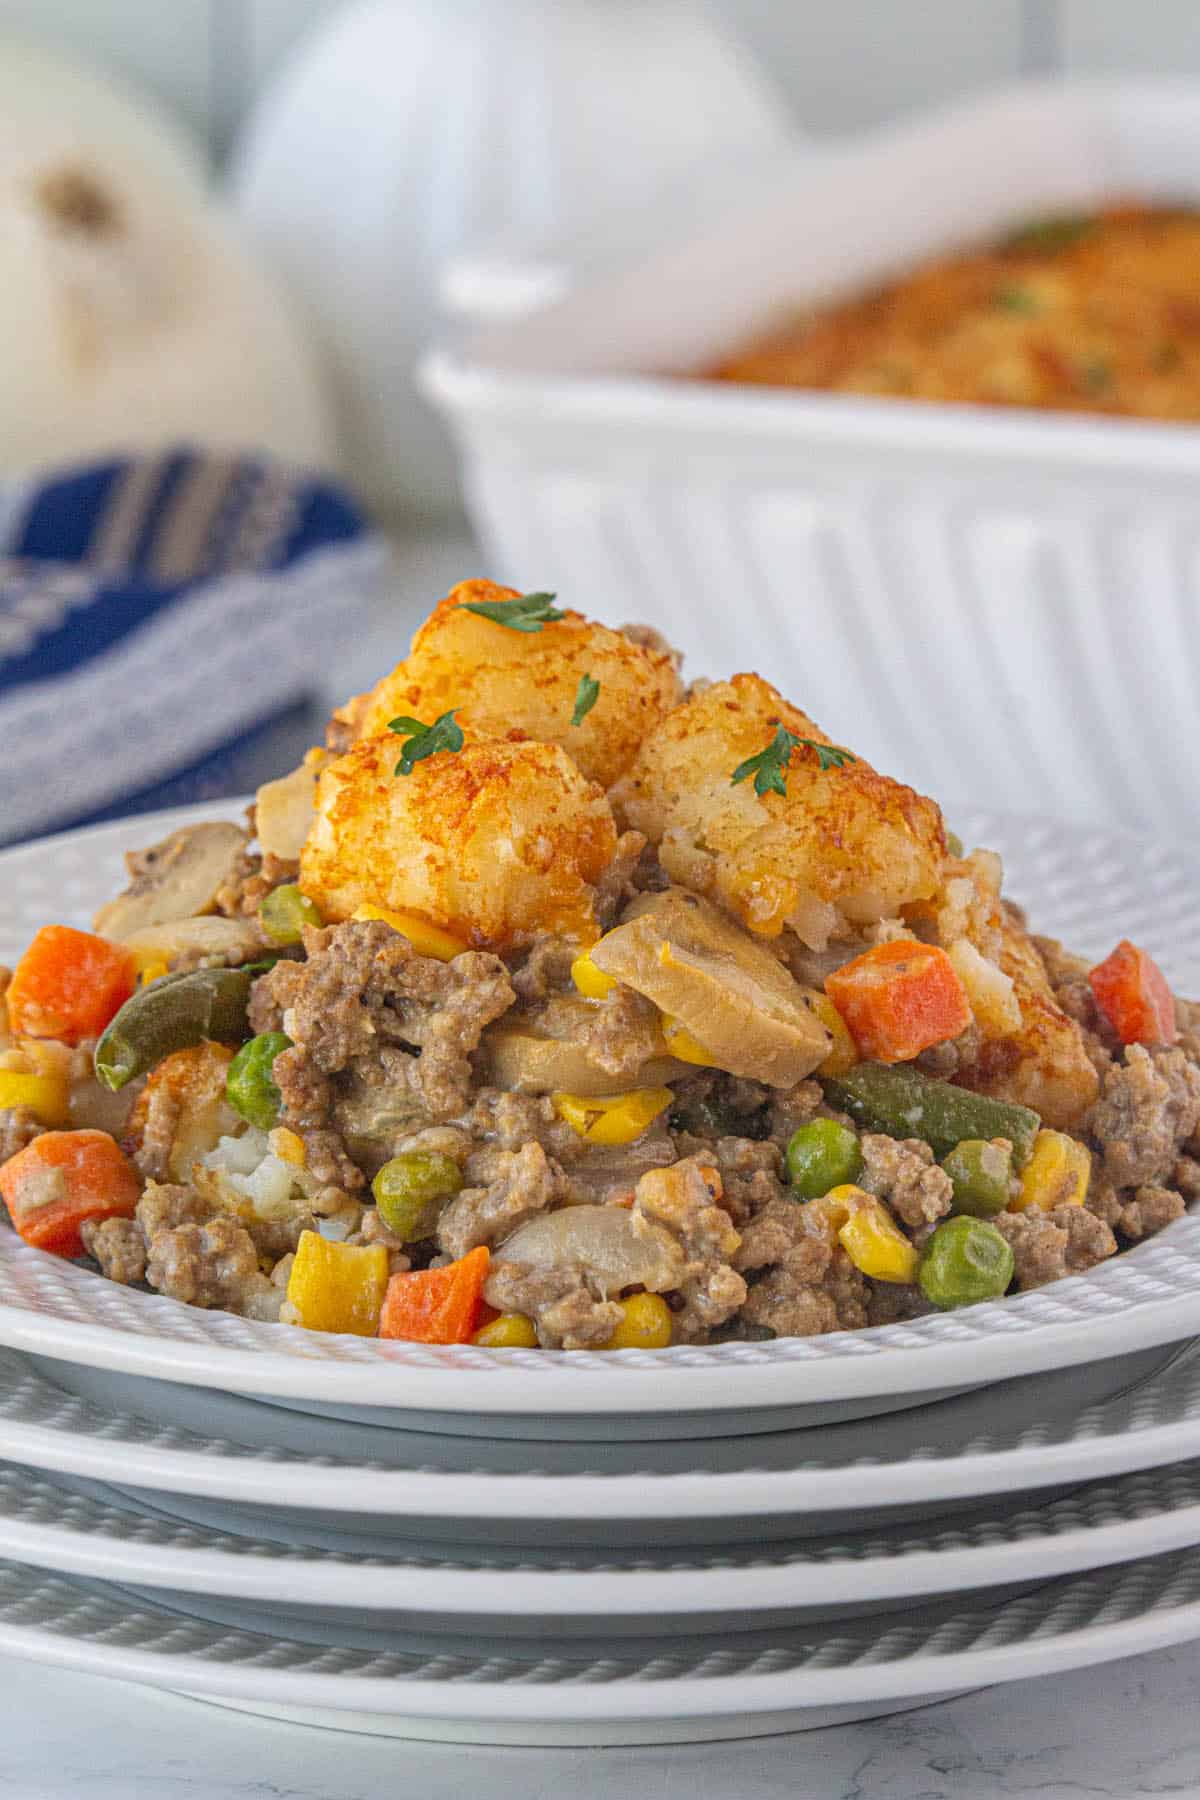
x: 1142, y: 1520
x: 941, y: 1664
x: 1002, y: 1340
x: 241, y: 1476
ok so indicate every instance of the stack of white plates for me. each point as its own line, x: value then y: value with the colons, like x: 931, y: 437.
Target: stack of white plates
x: 522, y: 1547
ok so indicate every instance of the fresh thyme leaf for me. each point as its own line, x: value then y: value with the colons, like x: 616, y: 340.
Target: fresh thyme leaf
x: 829, y: 756
x: 769, y: 766
x: 1016, y: 300
x: 586, y: 695
x: 1096, y: 376
x: 425, y: 740
x: 528, y: 612
x: 1058, y: 232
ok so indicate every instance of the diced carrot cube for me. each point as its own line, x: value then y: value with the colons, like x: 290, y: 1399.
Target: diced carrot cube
x: 68, y: 985
x: 1132, y: 993
x: 62, y: 1179
x: 900, y: 998
x: 437, y: 1306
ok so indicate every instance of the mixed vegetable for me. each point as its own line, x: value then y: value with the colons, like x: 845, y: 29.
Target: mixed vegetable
x: 477, y: 1047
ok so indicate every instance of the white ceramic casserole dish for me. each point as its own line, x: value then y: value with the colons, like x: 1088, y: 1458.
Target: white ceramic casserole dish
x: 997, y: 605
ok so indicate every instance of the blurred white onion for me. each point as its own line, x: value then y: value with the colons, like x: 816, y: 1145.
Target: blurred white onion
x: 403, y: 135
x: 129, y: 315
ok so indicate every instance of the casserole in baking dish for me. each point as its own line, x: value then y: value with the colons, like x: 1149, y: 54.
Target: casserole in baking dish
x: 1016, y: 584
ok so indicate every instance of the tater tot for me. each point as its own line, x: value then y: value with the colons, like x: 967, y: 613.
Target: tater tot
x: 843, y: 847
x: 494, y: 843
x: 500, y: 681
x: 1044, y: 1064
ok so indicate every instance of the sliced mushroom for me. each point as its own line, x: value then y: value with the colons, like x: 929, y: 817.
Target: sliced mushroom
x: 732, y: 995
x: 196, y: 940
x: 603, y: 1240
x: 374, y: 1121
x: 284, y: 810
x: 528, y: 1062
x: 177, y: 879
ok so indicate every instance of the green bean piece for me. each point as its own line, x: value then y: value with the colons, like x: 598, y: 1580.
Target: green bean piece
x: 981, y: 1173
x: 411, y: 1189
x: 954, y: 843
x: 822, y: 1155
x: 173, y: 1013
x: 965, y: 1261
x: 901, y: 1102
x: 249, y: 1086
x: 284, y: 913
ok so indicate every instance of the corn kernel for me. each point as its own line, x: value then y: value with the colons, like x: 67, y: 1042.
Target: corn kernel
x: 681, y: 1043
x: 338, y: 1287
x: 842, y: 1054
x: 288, y: 1146
x: 868, y: 1234
x: 153, y: 971
x: 591, y: 982
x: 47, y: 1097
x: 1057, y: 1173
x: 645, y: 1326
x: 426, y: 939
x: 612, y: 1118
x: 511, y: 1331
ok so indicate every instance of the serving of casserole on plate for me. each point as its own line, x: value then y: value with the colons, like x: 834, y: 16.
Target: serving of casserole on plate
x: 558, y: 1005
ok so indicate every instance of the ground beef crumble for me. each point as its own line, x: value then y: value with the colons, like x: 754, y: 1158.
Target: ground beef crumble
x: 903, y: 1172
x: 251, y: 880
x: 1047, y: 1245
x: 1148, y: 1109
x: 364, y: 1006
x: 18, y: 1127
x: 809, y: 1286
x: 516, y: 1185
x: 686, y: 1199
x: 750, y: 1171
x: 567, y: 1315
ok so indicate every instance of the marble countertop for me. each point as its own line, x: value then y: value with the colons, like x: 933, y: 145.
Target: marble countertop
x: 1118, y: 1732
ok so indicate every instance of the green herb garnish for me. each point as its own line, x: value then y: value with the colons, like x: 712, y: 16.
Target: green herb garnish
x: 425, y: 740
x: 1096, y: 376
x: 528, y: 612
x: 769, y: 765
x: 1015, y: 300
x: 586, y: 695
x: 1058, y: 232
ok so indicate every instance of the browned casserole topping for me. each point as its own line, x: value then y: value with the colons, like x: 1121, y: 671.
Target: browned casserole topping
x: 1089, y: 313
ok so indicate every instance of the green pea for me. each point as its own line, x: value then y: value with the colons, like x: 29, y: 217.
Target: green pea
x: 410, y: 1190
x: 248, y: 1085
x: 966, y: 1260
x: 284, y: 913
x: 822, y: 1155
x: 982, y: 1175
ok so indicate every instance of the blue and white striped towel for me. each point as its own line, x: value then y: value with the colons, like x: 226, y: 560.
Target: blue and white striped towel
x: 161, y: 619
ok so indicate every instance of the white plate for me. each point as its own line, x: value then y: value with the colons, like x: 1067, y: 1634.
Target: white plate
x: 605, y: 1691
x: 1085, y: 884
x: 1037, y: 1434
x: 96, y: 1531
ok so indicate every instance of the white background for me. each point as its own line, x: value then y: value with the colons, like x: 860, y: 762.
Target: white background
x: 842, y: 65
